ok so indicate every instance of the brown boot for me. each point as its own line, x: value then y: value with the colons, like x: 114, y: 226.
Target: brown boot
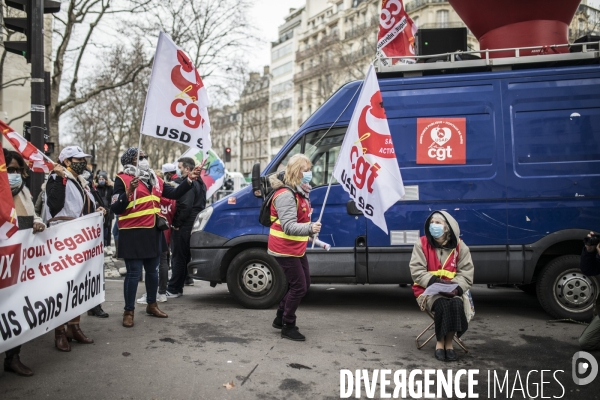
x: 60, y: 339
x: 14, y: 364
x: 74, y: 332
x: 128, y: 319
x: 153, y: 309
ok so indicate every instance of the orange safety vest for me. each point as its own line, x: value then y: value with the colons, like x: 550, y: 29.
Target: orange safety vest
x: 282, y: 244
x: 445, y: 272
x: 147, y: 205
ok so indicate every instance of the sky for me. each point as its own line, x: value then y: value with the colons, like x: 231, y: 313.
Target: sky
x: 267, y: 15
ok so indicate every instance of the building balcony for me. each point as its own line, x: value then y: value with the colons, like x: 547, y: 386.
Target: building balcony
x: 415, y: 4
x: 318, y: 48
x: 356, y: 31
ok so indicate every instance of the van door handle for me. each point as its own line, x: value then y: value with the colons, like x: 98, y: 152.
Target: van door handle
x: 352, y: 209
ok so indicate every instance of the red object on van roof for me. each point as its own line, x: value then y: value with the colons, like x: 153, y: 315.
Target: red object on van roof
x: 500, y: 24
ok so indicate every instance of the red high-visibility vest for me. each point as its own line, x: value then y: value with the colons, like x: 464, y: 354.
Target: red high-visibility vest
x: 445, y: 272
x: 147, y: 205
x: 282, y: 244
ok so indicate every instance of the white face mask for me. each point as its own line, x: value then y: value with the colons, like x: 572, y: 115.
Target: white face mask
x: 144, y: 165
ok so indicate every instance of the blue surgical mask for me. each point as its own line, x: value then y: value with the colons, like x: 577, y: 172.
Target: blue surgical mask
x: 178, y: 172
x: 14, y: 180
x: 307, y: 177
x: 101, y: 183
x: 436, y: 230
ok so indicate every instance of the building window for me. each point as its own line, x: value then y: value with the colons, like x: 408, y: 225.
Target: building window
x: 340, y: 6
x: 282, y: 51
x: 281, y: 105
x: 282, y: 87
x: 282, y: 69
x: 279, y: 123
x: 442, y: 18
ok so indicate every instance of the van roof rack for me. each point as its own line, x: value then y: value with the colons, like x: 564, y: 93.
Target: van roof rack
x: 469, y: 61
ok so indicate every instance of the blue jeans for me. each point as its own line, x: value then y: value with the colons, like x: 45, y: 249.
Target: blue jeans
x: 134, y: 271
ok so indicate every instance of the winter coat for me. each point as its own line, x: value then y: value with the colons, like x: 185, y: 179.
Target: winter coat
x: 189, y: 205
x: 464, y: 265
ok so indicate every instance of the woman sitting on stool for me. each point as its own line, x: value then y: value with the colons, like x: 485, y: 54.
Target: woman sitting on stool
x: 441, y: 257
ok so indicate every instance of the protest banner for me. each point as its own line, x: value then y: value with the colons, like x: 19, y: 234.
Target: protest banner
x: 49, y: 278
x: 396, y: 37
x: 177, y: 101
x: 367, y: 167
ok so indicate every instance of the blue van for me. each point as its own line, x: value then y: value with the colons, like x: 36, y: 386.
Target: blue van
x: 525, y: 198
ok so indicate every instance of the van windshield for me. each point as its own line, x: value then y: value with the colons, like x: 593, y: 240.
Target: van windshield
x: 321, y: 149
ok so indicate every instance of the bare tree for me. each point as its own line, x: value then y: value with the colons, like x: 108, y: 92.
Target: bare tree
x: 85, y: 16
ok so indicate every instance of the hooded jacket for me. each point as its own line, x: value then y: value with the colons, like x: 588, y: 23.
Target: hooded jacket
x: 464, y: 266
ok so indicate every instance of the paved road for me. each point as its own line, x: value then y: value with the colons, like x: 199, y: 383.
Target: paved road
x: 209, y: 340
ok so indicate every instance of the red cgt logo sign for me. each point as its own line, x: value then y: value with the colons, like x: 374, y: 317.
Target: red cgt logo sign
x: 441, y: 141
x: 9, y: 265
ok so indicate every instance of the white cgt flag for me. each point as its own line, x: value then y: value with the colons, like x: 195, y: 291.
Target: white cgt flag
x: 366, y: 166
x: 177, y: 101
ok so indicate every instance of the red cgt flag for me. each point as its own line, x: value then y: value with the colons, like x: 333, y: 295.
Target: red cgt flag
x: 397, y: 32
x: 36, y: 160
x: 8, y: 215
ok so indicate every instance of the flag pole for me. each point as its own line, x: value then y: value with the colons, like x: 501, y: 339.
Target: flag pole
x: 323, y: 207
x: 137, y: 172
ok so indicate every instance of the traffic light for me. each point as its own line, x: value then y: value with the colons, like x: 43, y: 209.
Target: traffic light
x: 48, y: 148
x: 24, y: 25
x: 227, y: 154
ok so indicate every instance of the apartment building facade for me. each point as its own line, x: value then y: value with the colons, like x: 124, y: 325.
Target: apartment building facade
x: 255, y: 121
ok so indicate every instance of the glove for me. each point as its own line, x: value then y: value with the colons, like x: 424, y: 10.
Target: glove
x: 451, y: 294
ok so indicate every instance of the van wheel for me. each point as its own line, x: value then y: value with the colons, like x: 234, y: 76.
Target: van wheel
x: 255, y: 279
x: 564, y: 291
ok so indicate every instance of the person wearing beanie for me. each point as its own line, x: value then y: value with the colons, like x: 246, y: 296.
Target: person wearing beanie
x: 136, y: 199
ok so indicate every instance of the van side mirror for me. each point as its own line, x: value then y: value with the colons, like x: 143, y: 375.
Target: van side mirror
x: 257, y: 188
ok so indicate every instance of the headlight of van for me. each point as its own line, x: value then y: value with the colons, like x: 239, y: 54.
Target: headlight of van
x: 202, y: 219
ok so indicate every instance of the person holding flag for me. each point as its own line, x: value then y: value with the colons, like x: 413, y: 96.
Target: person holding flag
x: 136, y: 199
x: 23, y: 204
x: 288, y: 237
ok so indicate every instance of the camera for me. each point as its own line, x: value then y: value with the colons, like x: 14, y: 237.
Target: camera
x: 592, y: 240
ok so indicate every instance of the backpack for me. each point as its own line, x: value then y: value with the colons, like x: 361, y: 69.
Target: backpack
x: 265, y: 210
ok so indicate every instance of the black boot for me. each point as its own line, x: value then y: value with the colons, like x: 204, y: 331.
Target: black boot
x: 278, y: 321
x: 14, y: 364
x: 290, y: 331
x: 98, y: 312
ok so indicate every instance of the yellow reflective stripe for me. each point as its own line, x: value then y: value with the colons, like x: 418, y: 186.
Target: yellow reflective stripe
x: 140, y: 213
x: 273, y: 218
x: 144, y: 199
x: 443, y: 272
x: 282, y: 235
x: 449, y: 255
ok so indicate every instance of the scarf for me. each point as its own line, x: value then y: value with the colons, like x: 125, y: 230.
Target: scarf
x: 147, y: 177
x: 304, y: 189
